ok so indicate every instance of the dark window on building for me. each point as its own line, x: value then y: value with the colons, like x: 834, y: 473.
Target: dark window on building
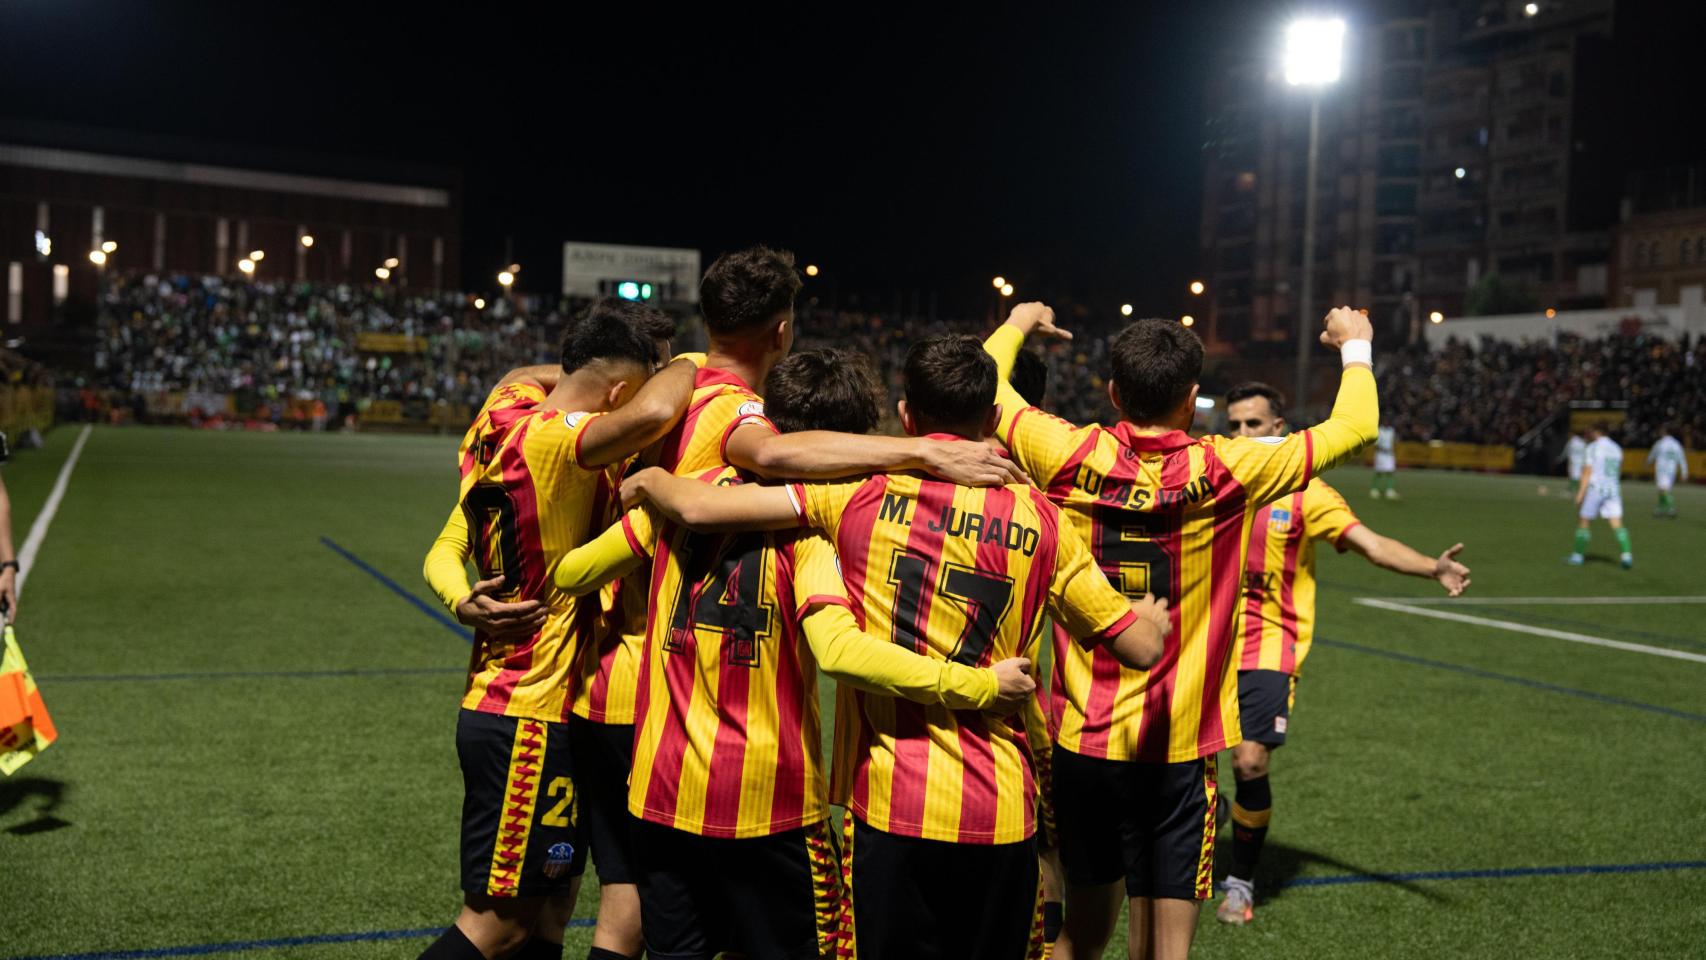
x: 1394, y: 199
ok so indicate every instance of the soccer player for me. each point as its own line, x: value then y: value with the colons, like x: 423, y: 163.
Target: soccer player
x: 535, y: 483
x: 942, y: 802
x: 1668, y: 459
x: 1600, y: 495
x: 1385, y: 463
x: 1277, y: 624
x: 1134, y: 760
x: 735, y: 848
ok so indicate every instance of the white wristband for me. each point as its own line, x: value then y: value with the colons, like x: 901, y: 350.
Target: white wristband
x: 1357, y: 351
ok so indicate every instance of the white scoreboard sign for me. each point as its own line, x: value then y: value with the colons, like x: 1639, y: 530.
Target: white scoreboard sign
x: 602, y: 269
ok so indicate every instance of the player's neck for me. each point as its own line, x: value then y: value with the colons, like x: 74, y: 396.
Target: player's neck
x: 752, y: 366
x: 575, y: 393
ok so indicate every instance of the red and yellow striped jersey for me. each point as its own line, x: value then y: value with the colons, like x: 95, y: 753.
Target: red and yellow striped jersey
x: 528, y: 500
x: 957, y: 574
x: 1167, y: 515
x: 1277, y: 615
x: 728, y: 742
x: 610, y: 673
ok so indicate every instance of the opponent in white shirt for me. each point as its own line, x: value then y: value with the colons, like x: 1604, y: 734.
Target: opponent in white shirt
x: 1668, y: 460
x: 1385, y: 462
x: 1576, y: 451
x: 1600, y: 495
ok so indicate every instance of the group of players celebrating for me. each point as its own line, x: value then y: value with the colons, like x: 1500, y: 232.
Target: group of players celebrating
x: 643, y: 687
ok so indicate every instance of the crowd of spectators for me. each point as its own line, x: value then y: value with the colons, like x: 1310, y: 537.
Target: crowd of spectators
x: 1497, y: 391
x: 268, y: 342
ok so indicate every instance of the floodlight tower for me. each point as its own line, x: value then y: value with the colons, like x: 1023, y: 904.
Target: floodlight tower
x: 1313, y: 54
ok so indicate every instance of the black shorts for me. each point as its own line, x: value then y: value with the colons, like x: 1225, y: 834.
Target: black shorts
x: 766, y: 898
x: 603, y: 753
x: 1150, y: 823
x: 932, y: 900
x: 1264, y: 704
x: 518, y: 806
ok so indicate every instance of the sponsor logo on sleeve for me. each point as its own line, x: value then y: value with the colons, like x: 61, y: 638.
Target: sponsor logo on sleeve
x: 573, y: 420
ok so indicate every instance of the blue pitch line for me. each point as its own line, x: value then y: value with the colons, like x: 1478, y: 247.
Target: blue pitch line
x: 239, y: 946
x: 397, y: 589
x: 244, y: 674
x: 1508, y: 873
x: 1510, y: 678
x: 1498, y: 874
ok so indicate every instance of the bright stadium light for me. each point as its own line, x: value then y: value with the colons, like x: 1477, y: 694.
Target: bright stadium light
x: 1188, y: 320
x: 1205, y: 403
x: 1530, y: 9
x: 247, y: 266
x: 811, y: 269
x: 98, y: 258
x: 392, y: 262
x: 1550, y: 313
x: 479, y: 303
x: 1125, y: 309
x: 645, y: 291
x: 1460, y: 173
x: 257, y: 255
x: 628, y: 290
x: 1436, y: 317
x: 44, y: 244
x: 505, y: 278
x: 1007, y: 289
x: 1314, y: 51
x: 383, y: 273
x: 109, y: 247
x: 999, y: 282
x: 1197, y: 288
x: 515, y: 268
x: 307, y: 240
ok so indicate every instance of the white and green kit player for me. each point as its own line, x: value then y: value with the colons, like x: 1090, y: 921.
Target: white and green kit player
x: 1668, y: 461
x: 1600, y: 495
x: 1385, y: 462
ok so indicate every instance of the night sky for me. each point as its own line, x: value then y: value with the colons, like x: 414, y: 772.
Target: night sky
x: 900, y: 149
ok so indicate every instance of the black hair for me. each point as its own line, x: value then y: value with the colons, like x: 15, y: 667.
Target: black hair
x: 823, y: 390
x: 1155, y: 364
x: 950, y: 382
x: 615, y: 329
x: 744, y: 291
x: 1254, y: 388
x: 1030, y: 377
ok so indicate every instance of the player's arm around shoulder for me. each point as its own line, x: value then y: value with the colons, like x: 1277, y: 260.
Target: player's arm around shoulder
x: 652, y: 412
x: 611, y: 555
x: 1093, y: 612
x: 827, y: 455
x: 711, y: 508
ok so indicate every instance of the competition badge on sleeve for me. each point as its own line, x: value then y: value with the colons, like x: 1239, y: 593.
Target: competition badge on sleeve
x: 25, y: 727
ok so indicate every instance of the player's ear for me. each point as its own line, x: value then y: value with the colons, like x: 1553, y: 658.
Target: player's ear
x: 1190, y: 412
x: 1114, y: 397
x: 613, y: 398
x: 992, y: 422
x: 907, y: 425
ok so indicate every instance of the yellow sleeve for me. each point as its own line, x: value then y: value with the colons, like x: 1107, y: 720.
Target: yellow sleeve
x: 557, y: 439
x: 856, y: 658
x: 1271, y: 467
x: 446, y: 567
x: 1040, y: 442
x: 1080, y: 596
x: 821, y: 504
x: 1326, y: 515
x: 608, y: 556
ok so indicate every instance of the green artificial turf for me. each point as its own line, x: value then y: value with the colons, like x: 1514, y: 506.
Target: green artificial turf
x: 316, y: 792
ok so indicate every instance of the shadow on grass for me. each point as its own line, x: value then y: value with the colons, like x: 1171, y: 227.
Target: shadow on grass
x: 40, y: 796
x: 1282, y: 865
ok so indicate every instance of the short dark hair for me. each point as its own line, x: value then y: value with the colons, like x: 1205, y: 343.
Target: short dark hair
x: 1155, y: 364
x: 1029, y: 377
x: 615, y: 329
x: 949, y: 381
x: 745, y: 290
x: 823, y: 390
x: 1255, y: 388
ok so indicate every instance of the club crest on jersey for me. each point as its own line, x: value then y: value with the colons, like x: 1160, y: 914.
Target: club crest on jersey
x: 751, y: 408
x: 1279, y: 520
x: 573, y: 420
x: 558, y: 858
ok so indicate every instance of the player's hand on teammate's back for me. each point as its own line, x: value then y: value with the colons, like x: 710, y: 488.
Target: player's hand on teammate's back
x: 971, y: 463
x: 1453, y: 576
x: 1035, y: 317
x: 504, y: 621
x: 1014, y: 684
x: 1346, y: 323
x: 1153, y: 610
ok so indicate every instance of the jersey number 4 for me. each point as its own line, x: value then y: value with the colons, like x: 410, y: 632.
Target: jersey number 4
x: 984, y: 597
x: 720, y: 590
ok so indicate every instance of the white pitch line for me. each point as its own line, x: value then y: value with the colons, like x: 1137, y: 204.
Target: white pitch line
x: 38, y: 529
x: 1525, y: 628
x: 1540, y: 601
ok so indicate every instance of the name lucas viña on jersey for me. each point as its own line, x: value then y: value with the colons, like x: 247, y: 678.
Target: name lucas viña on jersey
x: 972, y: 526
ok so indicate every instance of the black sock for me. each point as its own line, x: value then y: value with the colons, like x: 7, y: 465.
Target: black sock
x: 539, y: 948
x: 1250, y: 812
x: 599, y: 953
x: 453, y: 944
x: 1052, y: 910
